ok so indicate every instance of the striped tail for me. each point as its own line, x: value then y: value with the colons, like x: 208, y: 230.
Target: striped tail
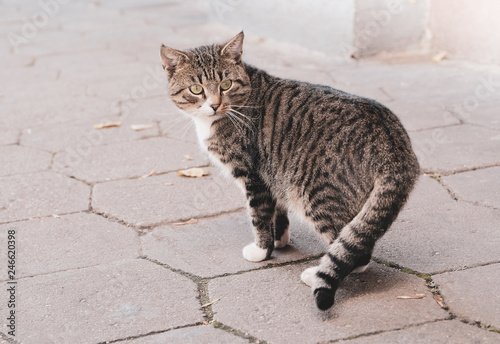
x: 354, y: 245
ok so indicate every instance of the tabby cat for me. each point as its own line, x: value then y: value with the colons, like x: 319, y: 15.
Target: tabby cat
x: 343, y: 162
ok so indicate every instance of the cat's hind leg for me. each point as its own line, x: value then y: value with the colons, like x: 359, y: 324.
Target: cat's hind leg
x: 357, y: 239
x: 281, y: 232
x: 309, y: 274
x: 362, y: 264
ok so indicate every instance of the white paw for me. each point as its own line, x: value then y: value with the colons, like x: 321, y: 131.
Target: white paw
x: 285, y: 240
x: 308, y: 275
x: 253, y: 253
x: 360, y: 269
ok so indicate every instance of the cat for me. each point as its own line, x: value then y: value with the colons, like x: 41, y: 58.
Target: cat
x: 343, y: 162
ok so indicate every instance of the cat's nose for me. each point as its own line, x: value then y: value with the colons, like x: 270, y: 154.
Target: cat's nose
x: 215, y: 106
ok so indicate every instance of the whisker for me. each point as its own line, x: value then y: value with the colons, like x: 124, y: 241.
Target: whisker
x: 245, y: 106
x: 230, y: 116
x: 247, y: 122
x: 175, y: 122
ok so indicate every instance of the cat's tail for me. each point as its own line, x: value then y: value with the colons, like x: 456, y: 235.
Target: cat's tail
x: 354, y: 245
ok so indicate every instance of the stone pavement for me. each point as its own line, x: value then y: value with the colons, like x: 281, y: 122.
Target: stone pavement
x: 98, y: 257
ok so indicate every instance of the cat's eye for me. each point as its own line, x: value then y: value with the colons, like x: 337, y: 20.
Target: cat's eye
x: 226, y: 85
x: 196, y: 89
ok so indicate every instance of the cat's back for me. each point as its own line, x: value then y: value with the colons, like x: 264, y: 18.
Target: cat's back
x: 302, y: 117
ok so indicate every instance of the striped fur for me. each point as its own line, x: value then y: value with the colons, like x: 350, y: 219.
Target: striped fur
x: 341, y: 161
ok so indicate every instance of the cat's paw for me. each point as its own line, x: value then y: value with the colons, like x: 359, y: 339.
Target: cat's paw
x: 308, y: 275
x: 253, y: 253
x: 284, y: 240
x: 325, y: 298
x: 360, y: 269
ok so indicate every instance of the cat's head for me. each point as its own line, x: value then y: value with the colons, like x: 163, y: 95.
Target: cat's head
x: 208, y: 80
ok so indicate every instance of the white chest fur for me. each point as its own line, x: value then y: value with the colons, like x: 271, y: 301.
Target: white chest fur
x: 203, y: 130
x: 203, y: 120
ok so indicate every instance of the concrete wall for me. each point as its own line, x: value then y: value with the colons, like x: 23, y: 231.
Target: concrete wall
x: 325, y: 25
x: 388, y: 25
x: 466, y: 29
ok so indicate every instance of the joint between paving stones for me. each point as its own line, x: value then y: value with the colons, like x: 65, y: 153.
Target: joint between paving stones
x: 43, y: 217
x: 90, y: 198
x: 439, y: 179
x: 453, y: 195
x: 456, y: 115
x: 431, y: 285
x: 138, y: 229
x: 467, y: 267
x: 479, y: 324
x: 135, y: 177
x: 462, y: 170
x: 369, y: 334
x: 205, y: 302
x: 148, y: 228
x: 435, y: 127
x: 151, y: 333
x: 237, y: 332
x: 434, y: 289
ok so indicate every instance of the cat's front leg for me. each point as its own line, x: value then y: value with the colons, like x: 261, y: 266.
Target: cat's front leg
x: 261, y: 206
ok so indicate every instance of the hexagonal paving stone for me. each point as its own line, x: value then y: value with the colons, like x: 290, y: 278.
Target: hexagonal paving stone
x: 456, y: 148
x: 104, y: 303
x: 190, y: 335
x: 73, y: 241
x: 441, y: 332
x: 274, y: 305
x: 436, y: 239
x: 218, y: 243
x: 41, y: 194
x: 480, y: 186
x: 16, y: 159
x: 80, y: 135
x: 128, y: 159
x: 473, y: 294
x: 153, y: 200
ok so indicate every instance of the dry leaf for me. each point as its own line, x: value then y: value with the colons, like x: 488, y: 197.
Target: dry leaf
x: 193, y: 172
x: 187, y: 157
x: 107, y: 125
x: 439, y: 300
x: 210, y: 303
x: 32, y: 62
x: 188, y: 222
x: 440, y: 56
x: 139, y: 127
x: 416, y: 296
x: 150, y: 174
x: 168, y: 184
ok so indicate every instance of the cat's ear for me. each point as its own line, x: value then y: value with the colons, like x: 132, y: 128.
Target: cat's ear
x: 171, y: 58
x: 234, y: 48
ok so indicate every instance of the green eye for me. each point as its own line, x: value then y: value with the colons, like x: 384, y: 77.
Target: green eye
x: 196, y: 89
x: 226, y: 85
